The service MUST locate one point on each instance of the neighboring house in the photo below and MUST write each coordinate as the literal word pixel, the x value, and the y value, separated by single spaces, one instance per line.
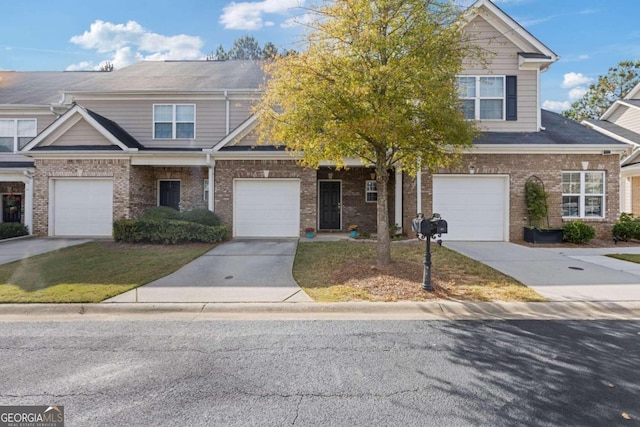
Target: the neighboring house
pixel 622 122
pixel 182 134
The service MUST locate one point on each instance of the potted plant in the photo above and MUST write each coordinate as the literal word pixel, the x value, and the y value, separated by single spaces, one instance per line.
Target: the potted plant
pixel 309 231
pixel 537 210
pixel 353 231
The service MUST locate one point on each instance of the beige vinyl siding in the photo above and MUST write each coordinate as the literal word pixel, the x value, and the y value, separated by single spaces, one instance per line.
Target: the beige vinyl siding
pixel 136 117
pixel 249 140
pixel 504 62
pixel 82 133
pixel 628 118
pixel 239 112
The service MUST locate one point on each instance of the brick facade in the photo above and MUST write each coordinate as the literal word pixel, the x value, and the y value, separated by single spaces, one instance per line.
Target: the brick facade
pixel 548 167
pixel 228 170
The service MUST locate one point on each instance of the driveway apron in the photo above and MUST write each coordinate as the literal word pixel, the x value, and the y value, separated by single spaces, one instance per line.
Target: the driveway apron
pixel 561 274
pixel 237 271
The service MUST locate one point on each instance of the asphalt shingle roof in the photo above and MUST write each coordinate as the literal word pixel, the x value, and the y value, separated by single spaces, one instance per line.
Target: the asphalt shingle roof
pixel 39 87
pixel 115 130
pixel 618 130
pixel 558 131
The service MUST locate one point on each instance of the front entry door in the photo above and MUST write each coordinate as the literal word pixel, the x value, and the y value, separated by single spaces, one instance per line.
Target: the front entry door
pixel 170 194
pixel 330 202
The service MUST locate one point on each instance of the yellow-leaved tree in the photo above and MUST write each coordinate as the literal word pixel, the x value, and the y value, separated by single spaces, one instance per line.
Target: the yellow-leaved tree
pixel 375 80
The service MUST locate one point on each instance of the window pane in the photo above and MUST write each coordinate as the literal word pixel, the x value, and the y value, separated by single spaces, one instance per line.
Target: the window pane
pixel 23 141
pixel 6 128
pixel 163 113
pixel 163 130
pixel 6 144
pixel 372 197
pixel 571 182
pixel 185 113
pixel 492 87
pixel 371 186
pixel 491 109
pixel 593 182
pixel 466 87
pixel 593 206
pixel 184 130
pixel 469 109
pixel 27 128
pixel 570 205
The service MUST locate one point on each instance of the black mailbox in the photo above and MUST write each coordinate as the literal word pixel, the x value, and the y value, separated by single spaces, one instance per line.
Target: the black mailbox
pixel 429 227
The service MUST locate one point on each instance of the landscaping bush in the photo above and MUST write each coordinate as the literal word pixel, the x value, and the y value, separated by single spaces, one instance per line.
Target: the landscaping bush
pixel 166 232
pixel 578 232
pixel 12 229
pixel 628 227
pixel 160 213
pixel 201 216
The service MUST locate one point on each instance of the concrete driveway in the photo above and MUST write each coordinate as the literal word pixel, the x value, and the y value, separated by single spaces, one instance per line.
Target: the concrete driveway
pixel 237 271
pixel 561 274
pixel 17 249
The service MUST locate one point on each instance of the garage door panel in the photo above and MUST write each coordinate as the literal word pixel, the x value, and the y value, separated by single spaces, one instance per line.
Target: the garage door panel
pixel 266 208
pixel 82 207
pixel 475 207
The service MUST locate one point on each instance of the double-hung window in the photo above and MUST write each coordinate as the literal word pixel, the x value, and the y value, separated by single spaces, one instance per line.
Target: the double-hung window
pixel 482 97
pixel 16 133
pixel 371 191
pixel 174 121
pixel 583 194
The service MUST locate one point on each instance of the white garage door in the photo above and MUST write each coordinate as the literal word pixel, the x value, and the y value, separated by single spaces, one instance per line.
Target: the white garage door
pixel 82 207
pixel 475 207
pixel 266 208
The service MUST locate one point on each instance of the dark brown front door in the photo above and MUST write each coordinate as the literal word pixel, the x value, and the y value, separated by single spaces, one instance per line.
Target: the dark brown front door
pixel 170 194
pixel 330 205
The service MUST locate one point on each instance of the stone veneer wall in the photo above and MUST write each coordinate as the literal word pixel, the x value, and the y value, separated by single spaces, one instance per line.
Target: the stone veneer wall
pixel 227 170
pixel 116 169
pixel 547 167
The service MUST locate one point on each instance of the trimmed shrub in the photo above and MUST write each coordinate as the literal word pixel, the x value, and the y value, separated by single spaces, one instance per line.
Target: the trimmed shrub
pixel 160 213
pixel 12 229
pixel 201 216
pixel 628 227
pixel 578 232
pixel 166 232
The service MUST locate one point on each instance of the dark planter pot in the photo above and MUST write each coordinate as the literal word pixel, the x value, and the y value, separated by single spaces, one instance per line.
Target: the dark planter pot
pixel 549 235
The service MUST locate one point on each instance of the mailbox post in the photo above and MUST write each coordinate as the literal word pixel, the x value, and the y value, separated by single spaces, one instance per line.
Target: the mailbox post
pixel 426 229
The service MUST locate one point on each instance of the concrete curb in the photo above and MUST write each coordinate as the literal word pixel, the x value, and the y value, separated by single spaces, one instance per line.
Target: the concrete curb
pixel 433 310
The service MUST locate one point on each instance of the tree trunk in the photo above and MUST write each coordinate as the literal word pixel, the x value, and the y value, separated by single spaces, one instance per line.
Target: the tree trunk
pixel 384 244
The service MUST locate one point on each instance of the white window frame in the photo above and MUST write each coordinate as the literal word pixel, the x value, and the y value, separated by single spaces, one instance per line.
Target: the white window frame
pixel 15 135
pixel 477 98
pixel 174 121
pixel 582 195
pixel 367 191
pixel 205 189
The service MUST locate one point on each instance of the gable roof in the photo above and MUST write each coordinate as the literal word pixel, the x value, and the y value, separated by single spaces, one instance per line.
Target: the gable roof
pixel 614 131
pixel 540 56
pixel 177 76
pixel 118 137
pixel 558 131
pixel 39 87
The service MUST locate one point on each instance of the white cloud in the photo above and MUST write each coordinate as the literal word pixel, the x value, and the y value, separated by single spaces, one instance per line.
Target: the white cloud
pixel 297 20
pixel 556 105
pixel 81 66
pixel 130 42
pixel 575 79
pixel 249 15
pixel 577 92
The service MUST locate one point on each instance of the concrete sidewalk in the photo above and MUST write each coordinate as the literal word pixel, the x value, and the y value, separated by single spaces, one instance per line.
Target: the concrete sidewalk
pixel 561 274
pixel 237 271
pixel 16 249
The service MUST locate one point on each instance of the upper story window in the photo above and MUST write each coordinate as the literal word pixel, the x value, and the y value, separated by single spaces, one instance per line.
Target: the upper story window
pixel 482 97
pixel 174 121
pixel 583 194
pixel 16 133
pixel 489 97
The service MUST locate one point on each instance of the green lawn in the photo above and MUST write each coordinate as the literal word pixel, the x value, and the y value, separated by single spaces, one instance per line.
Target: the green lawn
pixel 346 271
pixel 626 257
pixel 91 272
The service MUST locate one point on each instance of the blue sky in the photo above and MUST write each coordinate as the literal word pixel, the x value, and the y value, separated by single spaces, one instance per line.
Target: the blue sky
pixel 589 35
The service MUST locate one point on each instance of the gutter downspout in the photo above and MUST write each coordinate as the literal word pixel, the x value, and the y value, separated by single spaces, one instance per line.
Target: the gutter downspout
pixel 419 189
pixel 228 118
pixel 398 206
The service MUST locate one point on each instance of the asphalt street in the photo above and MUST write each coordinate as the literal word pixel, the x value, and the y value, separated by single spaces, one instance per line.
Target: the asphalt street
pixel 326 373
